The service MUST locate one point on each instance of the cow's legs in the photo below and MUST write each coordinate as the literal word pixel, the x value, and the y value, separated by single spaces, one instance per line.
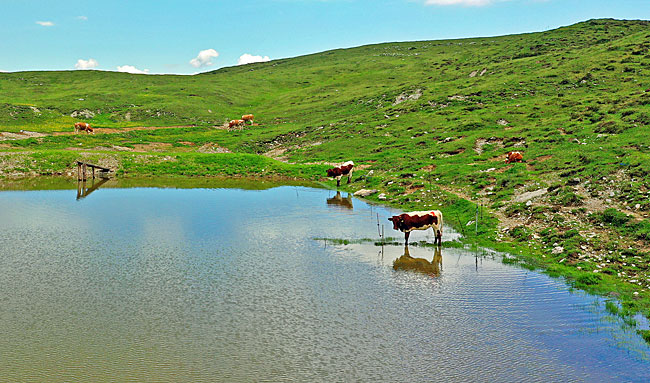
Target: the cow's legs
pixel 406 238
pixel 338 181
pixel 349 176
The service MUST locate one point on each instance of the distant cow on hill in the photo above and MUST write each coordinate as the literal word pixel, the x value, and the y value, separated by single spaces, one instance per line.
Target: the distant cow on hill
pixel 343 170
pixel 514 157
pixel 233 123
pixel 80 126
pixel 248 117
pixel 419 220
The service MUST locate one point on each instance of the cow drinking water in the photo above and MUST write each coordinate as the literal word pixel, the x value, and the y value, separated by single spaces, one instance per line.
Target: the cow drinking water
pixel 343 170
pixel 419 220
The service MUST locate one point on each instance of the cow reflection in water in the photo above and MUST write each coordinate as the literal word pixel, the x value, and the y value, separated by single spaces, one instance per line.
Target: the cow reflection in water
pixel 406 262
pixel 338 200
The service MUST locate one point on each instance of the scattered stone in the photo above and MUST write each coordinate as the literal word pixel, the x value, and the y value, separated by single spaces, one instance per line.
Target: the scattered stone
pixel 557 250
pixel 382 196
pixel 525 197
pixel 82 113
pixel 405 97
pixel 365 192
pixel 503 122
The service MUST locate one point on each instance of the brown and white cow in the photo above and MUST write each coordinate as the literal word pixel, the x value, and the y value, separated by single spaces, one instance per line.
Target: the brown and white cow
pixel 248 117
pixel 235 123
pixel 514 157
pixel 340 171
pixel 79 126
pixel 419 220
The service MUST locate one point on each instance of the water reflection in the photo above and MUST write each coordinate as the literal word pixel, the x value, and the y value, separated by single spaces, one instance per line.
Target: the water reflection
pixel 407 262
pixel 215 284
pixel 84 191
pixel 338 200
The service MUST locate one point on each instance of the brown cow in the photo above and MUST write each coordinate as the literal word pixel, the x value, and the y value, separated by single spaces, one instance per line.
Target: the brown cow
pixel 343 170
pixel 235 123
pixel 419 220
pixel 79 126
pixel 514 157
pixel 248 117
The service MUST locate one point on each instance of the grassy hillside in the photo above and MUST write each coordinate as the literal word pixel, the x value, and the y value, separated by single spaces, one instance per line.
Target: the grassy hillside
pixel 432 120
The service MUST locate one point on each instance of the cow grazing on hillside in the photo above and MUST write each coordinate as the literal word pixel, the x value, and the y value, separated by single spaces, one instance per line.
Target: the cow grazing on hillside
pixel 80 126
pixel 234 123
pixel 340 171
pixel 248 117
pixel 514 157
pixel 419 220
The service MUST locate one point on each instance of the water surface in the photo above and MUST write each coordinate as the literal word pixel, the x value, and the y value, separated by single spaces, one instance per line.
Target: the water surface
pixel 229 285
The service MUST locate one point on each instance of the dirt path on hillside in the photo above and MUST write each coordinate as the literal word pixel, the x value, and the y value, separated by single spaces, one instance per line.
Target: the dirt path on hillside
pixel 122 130
pixel 25 134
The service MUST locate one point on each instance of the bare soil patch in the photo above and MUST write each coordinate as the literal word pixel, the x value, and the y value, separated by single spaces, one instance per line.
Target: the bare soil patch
pixel 122 130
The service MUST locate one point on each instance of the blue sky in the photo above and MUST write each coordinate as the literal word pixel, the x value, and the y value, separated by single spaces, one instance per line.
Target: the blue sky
pixel 193 36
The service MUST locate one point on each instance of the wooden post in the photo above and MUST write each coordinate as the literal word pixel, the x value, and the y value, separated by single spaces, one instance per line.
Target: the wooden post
pixel 93 168
pixel 84 171
pixel 78 171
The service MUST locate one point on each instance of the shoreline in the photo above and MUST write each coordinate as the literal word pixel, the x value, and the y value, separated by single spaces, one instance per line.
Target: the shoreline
pixel 633 299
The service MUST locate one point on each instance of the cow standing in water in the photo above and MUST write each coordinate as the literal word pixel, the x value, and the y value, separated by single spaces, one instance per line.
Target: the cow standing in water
pixel 514 157
pixel 419 220
pixel 343 170
pixel 80 126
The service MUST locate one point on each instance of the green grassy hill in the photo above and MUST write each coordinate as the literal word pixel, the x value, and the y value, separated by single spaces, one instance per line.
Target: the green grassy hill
pixel 432 120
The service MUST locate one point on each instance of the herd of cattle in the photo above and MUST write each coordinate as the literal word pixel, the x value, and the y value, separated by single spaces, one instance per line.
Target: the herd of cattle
pixel 415 220
pixel 407 222
pixel 241 122
pixel 85 127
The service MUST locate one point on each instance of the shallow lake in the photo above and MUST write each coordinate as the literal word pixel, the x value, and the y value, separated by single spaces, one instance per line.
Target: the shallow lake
pixel 227 284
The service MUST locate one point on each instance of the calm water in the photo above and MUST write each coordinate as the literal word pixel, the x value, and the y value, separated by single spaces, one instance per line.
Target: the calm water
pixel 229 285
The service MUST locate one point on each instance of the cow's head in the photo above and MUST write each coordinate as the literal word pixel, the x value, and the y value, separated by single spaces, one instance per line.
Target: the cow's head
pixel 397 221
pixel 334 172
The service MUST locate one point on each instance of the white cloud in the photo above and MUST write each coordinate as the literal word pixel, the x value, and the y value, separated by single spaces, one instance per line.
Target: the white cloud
pixel 467 3
pixel 86 64
pixel 204 58
pixel 45 23
pixel 84 18
pixel 248 58
pixel 131 69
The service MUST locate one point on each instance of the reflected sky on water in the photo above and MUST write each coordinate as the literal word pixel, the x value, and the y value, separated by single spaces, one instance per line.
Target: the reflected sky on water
pixel 229 285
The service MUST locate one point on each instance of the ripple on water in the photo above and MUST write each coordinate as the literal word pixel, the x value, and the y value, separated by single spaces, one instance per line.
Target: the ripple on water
pixel 174 285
